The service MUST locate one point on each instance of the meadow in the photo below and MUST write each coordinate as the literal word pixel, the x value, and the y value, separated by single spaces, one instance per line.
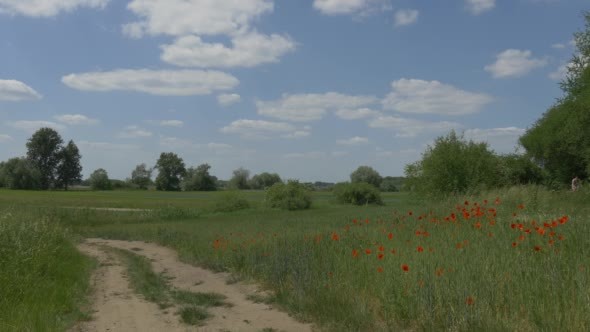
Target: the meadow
pixel 510 259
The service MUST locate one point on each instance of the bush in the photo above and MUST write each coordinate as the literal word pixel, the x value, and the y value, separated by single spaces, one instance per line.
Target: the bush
pixel 290 196
pixel 360 193
pixel 230 202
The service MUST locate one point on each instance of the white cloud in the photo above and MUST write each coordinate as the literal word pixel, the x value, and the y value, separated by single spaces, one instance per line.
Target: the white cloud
pixel 305 155
pixel 355 114
pixel 5 138
pixel 175 142
pixel 229 99
pixel 310 107
pixel 260 129
pixel 134 132
pixel 433 97
pixel 11 90
pixel 353 141
pixel 198 17
pixel 32 126
pixel 345 7
pixel 558 46
pixel 46 8
pixel 171 123
pixel 218 146
pixel 404 127
pixel 298 134
pixel 514 63
pixel 502 140
pixel 106 146
pixel 477 7
pixel 248 50
pixel 156 82
pixel 75 119
pixel 560 73
pixel 405 17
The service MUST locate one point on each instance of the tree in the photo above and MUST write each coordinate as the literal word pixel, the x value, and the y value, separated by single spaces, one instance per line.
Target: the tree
pixel 390 184
pixel 240 179
pixel 19 173
pixel 199 179
pixel 366 174
pixel 573 82
pixel 141 176
pixel 264 180
pixel 288 196
pixel 170 171
pixel 43 150
pixel 69 170
pixel 99 180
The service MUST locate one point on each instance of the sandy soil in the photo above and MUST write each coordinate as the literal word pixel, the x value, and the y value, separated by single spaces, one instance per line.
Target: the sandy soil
pixel 117 308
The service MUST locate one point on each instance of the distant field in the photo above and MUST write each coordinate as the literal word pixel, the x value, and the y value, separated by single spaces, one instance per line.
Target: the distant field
pixel 514 259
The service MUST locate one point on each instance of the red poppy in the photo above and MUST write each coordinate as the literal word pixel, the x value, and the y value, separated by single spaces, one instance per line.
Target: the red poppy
pixel 405 268
pixel 420 249
pixel 368 251
pixel 538 248
pixel 410 213
pixel 380 269
pixel 390 236
pixel 335 237
pixel 469 300
pixel 355 253
pixel 521 206
pixel 380 256
pixel 514 244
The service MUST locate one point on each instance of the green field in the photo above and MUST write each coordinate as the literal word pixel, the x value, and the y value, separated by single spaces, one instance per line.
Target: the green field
pixel 506 260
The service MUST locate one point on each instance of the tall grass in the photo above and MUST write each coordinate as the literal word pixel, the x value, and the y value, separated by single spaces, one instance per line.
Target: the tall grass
pixel 43 278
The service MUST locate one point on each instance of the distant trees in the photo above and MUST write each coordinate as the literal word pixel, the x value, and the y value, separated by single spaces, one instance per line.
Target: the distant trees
pixel 391 184
pixel 264 180
pixel 43 150
pixel 69 170
pixel 199 179
pixel 19 173
pixel 170 171
pixel 141 176
pixel 99 180
pixel 240 179
pixel 366 174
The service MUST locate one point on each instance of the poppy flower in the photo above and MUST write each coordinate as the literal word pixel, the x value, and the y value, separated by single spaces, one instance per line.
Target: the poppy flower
pixel 380 269
pixel 420 249
pixel 355 253
pixel 380 256
pixel 335 237
pixel 538 248
pixel 368 251
pixel 469 300
pixel 390 236
pixel 405 268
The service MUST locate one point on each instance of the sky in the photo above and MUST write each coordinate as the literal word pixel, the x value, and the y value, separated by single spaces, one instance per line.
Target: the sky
pixel 309 89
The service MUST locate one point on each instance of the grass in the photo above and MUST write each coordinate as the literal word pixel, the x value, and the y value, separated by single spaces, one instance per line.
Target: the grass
pixel 468 276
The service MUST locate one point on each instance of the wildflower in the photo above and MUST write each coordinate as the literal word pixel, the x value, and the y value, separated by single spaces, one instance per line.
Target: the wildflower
pixel 380 269
pixel 469 300
pixel 410 213
pixel 563 219
pixel 355 253
pixel 521 206
pixel 439 272
pixel 335 237
pixel 381 248
pixel 466 202
pixel 538 248
pixel 420 249
pixel 390 236
pixel 561 237
pixel 368 251
pixel 405 268
pixel 380 256
pixel 477 225
pixel 541 231
pixel 514 244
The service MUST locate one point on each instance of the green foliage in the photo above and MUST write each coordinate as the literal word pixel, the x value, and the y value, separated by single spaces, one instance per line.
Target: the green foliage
pixel 290 196
pixel 19 173
pixel 391 183
pixel 43 150
pixel 264 180
pixel 99 180
pixel 518 169
pixel 141 176
pixel 199 179
pixel 231 201
pixel 366 174
pixel 574 83
pixel 453 165
pixel 360 193
pixel 240 179
pixel 170 170
pixel 69 170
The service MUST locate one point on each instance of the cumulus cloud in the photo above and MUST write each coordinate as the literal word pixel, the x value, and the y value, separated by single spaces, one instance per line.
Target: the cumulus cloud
pixel 502 140
pixel 46 8
pixel 194 17
pixel 433 97
pixel 514 63
pixel 405 17
pixel 5 138
pixel 11 90
pixel 105 146
pixel 353 141
pixel 310 107
pixel 345 7
pixel 32 126
pixel 156 82
pixel 134 132
pixel 248 50
pixel 355 114
pixel 260 129
pixel 171 123
pixel 305 155
pixel 75 119
pixel 404 127
pixel 560 73
pixel 228 99
pixel 477 7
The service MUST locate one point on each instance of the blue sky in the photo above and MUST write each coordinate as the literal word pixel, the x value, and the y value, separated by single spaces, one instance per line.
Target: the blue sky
pixel 310 89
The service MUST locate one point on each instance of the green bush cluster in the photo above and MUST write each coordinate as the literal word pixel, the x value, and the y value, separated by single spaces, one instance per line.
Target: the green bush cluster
pixel 230 202
pixel 290 196
pixel 359 193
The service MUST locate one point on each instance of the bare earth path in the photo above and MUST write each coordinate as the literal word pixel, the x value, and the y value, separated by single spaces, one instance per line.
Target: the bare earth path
pixel 117 308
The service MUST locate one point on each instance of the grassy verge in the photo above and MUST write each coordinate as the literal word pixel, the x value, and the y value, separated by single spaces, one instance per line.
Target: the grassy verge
pixel 43 278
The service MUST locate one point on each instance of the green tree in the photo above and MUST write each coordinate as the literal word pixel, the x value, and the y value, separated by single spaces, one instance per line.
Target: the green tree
pixel 390 184
pixel 69 170
pixel 573 82
pixel 264 180
pixel 43 150
pixel 99 180
pixel 288 196
pixel 170 172
pixel 366 174
pixel 453 165
pixel 240 179
pixel 19 173
pixel 141 176
pixel 199 179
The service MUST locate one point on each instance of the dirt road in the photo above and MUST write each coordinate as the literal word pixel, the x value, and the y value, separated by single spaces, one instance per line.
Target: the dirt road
pixel 117 308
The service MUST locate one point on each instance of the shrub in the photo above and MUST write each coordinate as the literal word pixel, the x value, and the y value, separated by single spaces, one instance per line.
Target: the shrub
pixel 357 193
pixel 290 196
pixel 230 202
